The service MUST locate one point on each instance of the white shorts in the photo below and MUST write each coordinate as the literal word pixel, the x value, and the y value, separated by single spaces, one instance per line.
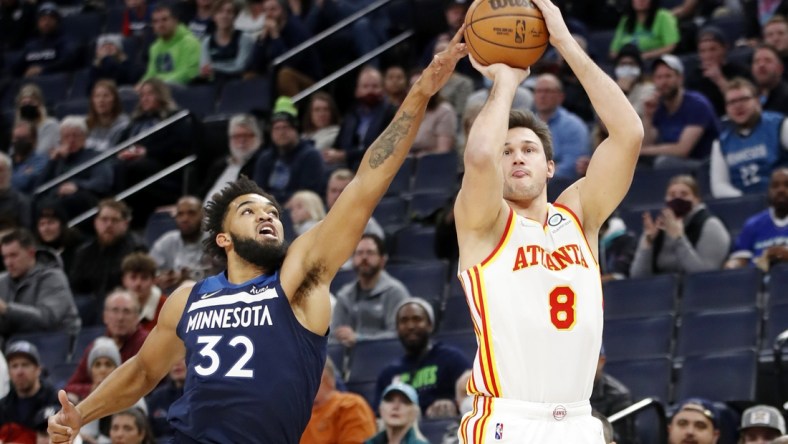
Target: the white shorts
pixel 500 420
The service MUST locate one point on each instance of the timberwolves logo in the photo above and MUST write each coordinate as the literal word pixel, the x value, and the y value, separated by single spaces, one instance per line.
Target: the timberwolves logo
pixel 519 32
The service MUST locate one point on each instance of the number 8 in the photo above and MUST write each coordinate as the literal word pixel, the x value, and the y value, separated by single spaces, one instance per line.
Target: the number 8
pixel 562 308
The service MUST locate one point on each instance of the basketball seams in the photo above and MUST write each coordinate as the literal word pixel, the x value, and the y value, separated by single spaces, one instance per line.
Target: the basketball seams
pixel 480 12
pixel 501 45
pixel 477 55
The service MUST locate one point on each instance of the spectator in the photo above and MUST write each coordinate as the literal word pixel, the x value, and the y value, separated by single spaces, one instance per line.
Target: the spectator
pixel 131 427
pixel 523 98
pixel 14 206
pixel 292 164
pixel 616 249
pixel 775 34
pixel 306 210
pixel 684 238
pixel 337 182
pixel 399 412
pixel 121 317
pixel 30 106
pixel 751 144
pixel 34 297
pixel 138 274
pixel 781 440
pixel 96 267
pixel 106 119
pixel 432 369
pixel 464 403
pixel 757 14
pixel 454 12
pixel 338 417
pixel 768 71
pixel 160 400
pixel 111 63
pixel 226 50
pixel 569 132
pixel 17 24
pixel 716 70
pixel 178 254
pixel 680 125
pixel 29 394
pixel 763 240
pixel 321 122
pixel 81 192
pixel 610 396
pixel 245 141
pixel 137 18
pixel 365 121
pixel 629 75
pixel 251 19
pixel 653 29
pixel 365 307
pixel 395 84
pixel 27 164
pixel 4 377
pixel 200 19
pixel 760 424
pixel 437 134
pixel 51 51
pixel 282 32
pixel 460 86
pixel 174 56
pixel 695 420
pixel 53 232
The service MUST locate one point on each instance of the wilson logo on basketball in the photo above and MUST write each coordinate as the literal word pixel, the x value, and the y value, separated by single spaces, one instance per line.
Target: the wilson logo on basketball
pixel 497 4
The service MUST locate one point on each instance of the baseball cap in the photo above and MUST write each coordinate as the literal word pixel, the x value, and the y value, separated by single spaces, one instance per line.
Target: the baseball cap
pixel 285 110
pixel 711 32
pixel 420 302
pixel 670 61
pixel 700 405
pixel 405 389
pixel 23 348
pixel 50 9
pixel 630 50
pixel 112 39
pixel 764 416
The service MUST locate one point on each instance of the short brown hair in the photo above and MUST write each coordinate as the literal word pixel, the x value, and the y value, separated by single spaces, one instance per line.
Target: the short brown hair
pixel 140 263
pixel 739 83
pixel 117 205
pixel 219 4
pixel 527 119
pixel 687 180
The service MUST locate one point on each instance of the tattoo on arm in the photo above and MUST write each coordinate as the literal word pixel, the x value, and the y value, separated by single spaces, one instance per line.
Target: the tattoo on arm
pixel 384 147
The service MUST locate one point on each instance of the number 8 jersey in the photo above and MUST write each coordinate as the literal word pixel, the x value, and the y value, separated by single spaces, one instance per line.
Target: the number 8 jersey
pixel 536 305
pixel 252 369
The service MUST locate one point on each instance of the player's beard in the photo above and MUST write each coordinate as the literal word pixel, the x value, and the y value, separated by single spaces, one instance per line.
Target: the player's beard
pixel 266 255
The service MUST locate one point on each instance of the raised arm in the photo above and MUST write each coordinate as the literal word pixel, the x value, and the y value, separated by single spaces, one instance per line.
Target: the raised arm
pixel 613 163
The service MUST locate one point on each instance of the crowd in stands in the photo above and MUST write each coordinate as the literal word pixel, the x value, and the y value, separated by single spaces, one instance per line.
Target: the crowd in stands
pixel 80 78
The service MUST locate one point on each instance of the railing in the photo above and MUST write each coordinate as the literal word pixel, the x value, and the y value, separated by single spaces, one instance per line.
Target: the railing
pixel 779 343
pixel 137 187
pixel 109 153
pixel 640 406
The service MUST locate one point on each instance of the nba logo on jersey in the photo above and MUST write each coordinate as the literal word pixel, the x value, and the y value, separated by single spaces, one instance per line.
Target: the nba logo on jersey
pixel 499 430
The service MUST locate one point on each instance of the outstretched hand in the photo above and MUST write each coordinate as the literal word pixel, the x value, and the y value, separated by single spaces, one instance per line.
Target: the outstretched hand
pixel 435 76
pixel 500 70
pixel 64 425
pixel 556 25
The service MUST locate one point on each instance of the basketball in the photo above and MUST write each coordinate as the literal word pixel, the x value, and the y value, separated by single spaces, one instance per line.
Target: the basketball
pixel 505 31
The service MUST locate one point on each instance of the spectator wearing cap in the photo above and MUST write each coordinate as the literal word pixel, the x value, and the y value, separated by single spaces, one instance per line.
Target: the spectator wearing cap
pixel 757 14
pixel 110 62
pixel 14 206
pixel 245 139
pixel 654 30
pixel 19 410
pixel 768 72
pixel 52 232
pixel 28 164
pixel 694 420
pixel 293 163
pixel 399 412
pixel 34 297
pixel 432 368
pixel 17 24
pixel 711 77
pixel 174 57
pixel 680 125
pixel 366 306
pixel 761 424
pixel 609 396
pixel 51 51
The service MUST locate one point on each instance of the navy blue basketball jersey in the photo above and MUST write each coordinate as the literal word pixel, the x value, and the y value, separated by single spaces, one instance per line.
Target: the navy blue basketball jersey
pixel 252 369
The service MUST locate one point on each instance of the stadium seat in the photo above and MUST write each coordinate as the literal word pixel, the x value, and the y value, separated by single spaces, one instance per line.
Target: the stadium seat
pixel 72 107
pixel 599 44
pixel 415 242
pixel 456 316
pixel 703 333
pixel 159 222
pixel 246 96
pixel 369 358
pixel 455 288
pixel 778 282
pixel 435 429
pixel 61 373
pixel 436 172
pixel 52 346
pixel 401 182
pixel 114 22
pixel 556 186
pixel 638 297
pixel 342 277
pixel 647 424
pixel 649 185
pixel 720 290
pixel 424 204
pixel 725 377
pixel 86 337
pixel 366 389
pixel 79 84
pixel 84 27
pixel 776 323
pixel 426 280
pixel 337 353
pixel 200 100
pixel 391 213
pixel 464 340
pixel 627 339
pixel 54 86
pixel 648 377
pixel 734 212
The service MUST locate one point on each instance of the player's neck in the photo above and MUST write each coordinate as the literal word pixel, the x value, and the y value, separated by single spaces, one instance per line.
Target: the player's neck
pixel 535 209
pixel 240 271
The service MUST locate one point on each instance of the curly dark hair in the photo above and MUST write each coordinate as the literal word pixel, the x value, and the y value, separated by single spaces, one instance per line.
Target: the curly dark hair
pixel 216 210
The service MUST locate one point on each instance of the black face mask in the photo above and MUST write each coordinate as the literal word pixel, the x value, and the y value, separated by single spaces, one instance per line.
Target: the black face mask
pixel 22 148
pixel 29 112
pixel 680 207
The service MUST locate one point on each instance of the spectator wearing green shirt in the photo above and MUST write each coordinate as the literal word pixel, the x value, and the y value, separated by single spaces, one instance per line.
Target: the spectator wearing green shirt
pixel 175 55
pixel 654 30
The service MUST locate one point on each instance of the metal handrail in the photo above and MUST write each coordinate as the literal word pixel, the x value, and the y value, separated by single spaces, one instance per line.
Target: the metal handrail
pixel 135 188
pixel 110 152
pixel 638 407
pixel 353 65
pixel 329 31
pixel 777 350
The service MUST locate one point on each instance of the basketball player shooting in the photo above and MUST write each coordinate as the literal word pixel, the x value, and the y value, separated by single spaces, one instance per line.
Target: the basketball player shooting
pixel 254 337
pixel 529 267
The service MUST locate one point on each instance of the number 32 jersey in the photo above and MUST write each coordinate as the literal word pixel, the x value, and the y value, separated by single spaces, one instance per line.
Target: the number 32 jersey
pixel 252 369
pixel 536 305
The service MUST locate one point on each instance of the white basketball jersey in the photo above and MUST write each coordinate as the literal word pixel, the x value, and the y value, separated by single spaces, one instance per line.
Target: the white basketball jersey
pixel 536 305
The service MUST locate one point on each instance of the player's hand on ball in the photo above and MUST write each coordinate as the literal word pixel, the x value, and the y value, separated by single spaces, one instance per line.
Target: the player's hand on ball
pixel 435 76
pixel 500 70
pixel 555 23
pixel 64 425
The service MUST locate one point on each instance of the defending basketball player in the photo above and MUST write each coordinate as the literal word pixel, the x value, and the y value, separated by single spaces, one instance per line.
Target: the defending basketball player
pixel 529 268
pixel 254 337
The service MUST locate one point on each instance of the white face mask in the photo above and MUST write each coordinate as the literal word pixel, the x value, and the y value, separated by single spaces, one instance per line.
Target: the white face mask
pixel 466 405
pixel 627 71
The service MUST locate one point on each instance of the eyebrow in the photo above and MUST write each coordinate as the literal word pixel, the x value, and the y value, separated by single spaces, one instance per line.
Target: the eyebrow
pixel 527 142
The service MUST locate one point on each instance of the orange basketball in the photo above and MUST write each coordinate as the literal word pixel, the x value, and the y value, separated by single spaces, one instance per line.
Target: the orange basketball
pixel 505 31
